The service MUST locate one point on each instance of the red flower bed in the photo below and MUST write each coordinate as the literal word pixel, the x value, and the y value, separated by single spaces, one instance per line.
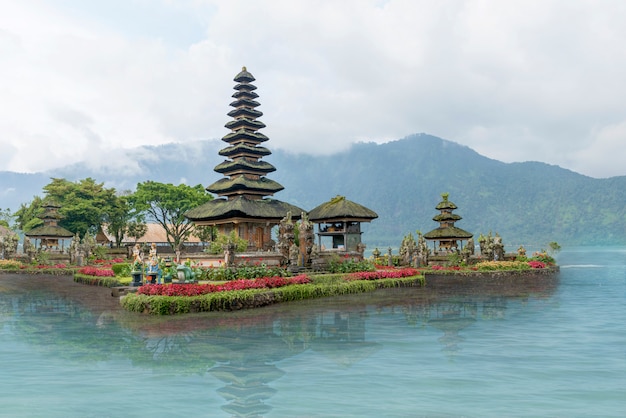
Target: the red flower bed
pixel 383 274
pixel 537 264
pixel 95 271
pixel 202 289
pixel 450 268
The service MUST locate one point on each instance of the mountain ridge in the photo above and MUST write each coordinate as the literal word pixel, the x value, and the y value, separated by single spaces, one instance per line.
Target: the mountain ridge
pixel 528 203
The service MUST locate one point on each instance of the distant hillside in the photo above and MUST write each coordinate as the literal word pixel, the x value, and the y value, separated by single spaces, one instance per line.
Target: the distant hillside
pixel 530 203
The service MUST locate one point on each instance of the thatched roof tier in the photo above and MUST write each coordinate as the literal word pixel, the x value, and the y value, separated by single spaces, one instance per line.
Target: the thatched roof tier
pixel 451 232
pixel 446 216
pixel 341 209
pixel 245 112
pixel 244 150
pixel 49 232
pixel 242 208
pixel 242 184
pixel 244 135
pixel 245 123
pixel 241 165
pixel 241 102
pixel 445 203
pixel 244 76
pixel 245 87
pixel 245 94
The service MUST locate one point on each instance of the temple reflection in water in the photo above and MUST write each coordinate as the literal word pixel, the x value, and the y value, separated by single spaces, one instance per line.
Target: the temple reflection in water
pixel 243 350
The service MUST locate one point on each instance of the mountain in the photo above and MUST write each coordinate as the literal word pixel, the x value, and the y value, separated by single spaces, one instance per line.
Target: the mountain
pixel 527 203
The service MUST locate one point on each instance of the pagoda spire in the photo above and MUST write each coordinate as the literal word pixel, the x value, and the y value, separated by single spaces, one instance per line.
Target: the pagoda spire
pixel 244 172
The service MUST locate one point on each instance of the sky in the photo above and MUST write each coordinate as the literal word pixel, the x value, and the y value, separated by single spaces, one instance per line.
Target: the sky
pixel 513 80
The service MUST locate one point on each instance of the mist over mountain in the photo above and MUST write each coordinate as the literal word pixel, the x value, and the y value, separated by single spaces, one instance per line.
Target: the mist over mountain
pixel 527 203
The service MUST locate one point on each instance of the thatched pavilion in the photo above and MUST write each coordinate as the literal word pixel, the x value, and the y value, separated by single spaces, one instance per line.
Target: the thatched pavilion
pixel 244 206
pixel 48 235
pixel 339 221
pixel 447 235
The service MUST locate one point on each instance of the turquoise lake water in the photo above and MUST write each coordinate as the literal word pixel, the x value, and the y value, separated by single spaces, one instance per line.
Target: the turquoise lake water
pixel 553 349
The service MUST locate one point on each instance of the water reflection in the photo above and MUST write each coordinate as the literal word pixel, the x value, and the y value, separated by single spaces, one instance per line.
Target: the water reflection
pixel 243 350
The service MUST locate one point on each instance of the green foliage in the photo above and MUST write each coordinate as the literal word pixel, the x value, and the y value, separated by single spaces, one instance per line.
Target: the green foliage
pixel 99 252
pixel 42 258
pixel 217 245
pixel 6 218
pixel 542 256
pixel 241 299
pixel 454 259
pixel 85 204
pixel 347 265
pixel 28 216
pixel 118 217
pixel 554 248
pixel 121 269
pixel 167 204
pixel 136 229
pixel 10 265
pixel 501 266
pixel 96 280
pixel 205 233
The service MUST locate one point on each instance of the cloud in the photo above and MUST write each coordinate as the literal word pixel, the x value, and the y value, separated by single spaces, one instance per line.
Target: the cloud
pixel 515 81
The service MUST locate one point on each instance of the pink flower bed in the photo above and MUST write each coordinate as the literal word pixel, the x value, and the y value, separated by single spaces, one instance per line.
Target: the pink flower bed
pixel 95 271
pixel 383 274
pixel 202 289
pixel 537 264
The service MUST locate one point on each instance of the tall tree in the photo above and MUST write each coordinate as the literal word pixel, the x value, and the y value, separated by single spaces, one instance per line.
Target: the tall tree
pixel 118 218
pixel 85 204
pixel 28 216
pixel 6 217
pixel 166 205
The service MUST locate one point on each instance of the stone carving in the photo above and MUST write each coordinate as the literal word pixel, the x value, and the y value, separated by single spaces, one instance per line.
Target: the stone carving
pixel 408 249
pixel 498 248
pixel 286 236
pixel 8 246
pixel 306 238
pixel 470 246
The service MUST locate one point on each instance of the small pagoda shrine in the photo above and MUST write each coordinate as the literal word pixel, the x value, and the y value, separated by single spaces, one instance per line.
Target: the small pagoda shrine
pixel 50 233
pixel 243 205
pixel 339 221
pixel 447 236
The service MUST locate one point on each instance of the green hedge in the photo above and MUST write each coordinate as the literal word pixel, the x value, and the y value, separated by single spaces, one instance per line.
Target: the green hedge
pixel 253 298
pixel 103 281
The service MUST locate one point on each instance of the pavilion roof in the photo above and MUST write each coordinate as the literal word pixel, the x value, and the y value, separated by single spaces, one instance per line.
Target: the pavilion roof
pixel 340 208
pixel 242 207
pixel 241 183
pixel 449 232
pixel 49 231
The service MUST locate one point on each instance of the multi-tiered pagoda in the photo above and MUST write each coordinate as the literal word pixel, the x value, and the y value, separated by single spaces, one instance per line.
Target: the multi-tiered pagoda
pixel 447 235
pixel 243 205
pixel 50 232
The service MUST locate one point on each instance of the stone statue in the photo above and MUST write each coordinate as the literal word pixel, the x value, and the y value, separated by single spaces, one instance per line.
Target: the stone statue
pixel 470 246
pixel 498 248
pixel 286 236
pixel 408 248
pixel 294 252
pixel 521 251
pixel 360 248
pixel 29 249
pixel 9 245
pixel 305 237
pixel 422 251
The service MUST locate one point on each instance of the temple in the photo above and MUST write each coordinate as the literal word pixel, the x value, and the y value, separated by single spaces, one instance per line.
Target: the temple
pixel 447 236
pixel 339 222
pixel 243 205
pixel 49 234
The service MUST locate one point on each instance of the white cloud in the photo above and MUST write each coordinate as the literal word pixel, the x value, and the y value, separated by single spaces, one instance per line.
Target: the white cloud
pixel 516 81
